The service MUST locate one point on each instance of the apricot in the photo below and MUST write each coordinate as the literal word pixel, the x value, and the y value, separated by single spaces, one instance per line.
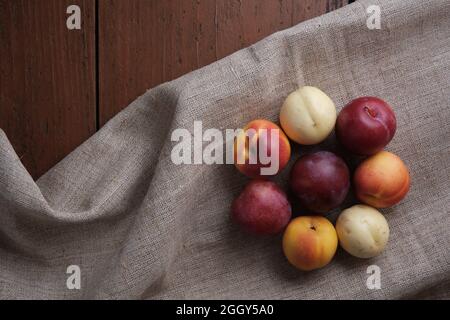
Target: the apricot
pixel 310 242
pixel 381 180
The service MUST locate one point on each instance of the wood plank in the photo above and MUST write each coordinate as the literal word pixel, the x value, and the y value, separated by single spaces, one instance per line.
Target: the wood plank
pixel 130 54
pixel 144 43
pixel 242 23
pixel 47 79
pixel 307 9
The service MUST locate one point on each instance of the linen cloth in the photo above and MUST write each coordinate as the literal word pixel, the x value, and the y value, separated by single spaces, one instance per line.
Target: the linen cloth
pixel 141 227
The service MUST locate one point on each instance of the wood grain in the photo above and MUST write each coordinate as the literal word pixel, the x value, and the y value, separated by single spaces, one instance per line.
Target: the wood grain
pixel 143 43
pixel 47 79
pixel 56 84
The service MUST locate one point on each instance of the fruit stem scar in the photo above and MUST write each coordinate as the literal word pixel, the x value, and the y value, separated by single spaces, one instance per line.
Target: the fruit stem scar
pixel 370 112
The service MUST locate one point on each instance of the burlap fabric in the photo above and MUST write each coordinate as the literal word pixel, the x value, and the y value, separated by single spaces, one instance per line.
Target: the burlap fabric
pixel 139 226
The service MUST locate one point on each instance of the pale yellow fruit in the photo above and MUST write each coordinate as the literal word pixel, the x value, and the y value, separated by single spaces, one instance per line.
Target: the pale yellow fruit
pixel 362 231
pixel 308 115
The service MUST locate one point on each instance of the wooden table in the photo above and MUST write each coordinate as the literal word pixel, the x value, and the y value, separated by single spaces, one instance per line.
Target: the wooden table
pixel 59 86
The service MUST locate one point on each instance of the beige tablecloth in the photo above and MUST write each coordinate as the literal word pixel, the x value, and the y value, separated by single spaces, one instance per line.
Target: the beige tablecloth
pixel 139 226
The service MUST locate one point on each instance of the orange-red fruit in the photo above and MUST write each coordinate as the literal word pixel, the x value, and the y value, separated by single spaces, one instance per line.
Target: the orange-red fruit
pixel 243 149
pixel 382 180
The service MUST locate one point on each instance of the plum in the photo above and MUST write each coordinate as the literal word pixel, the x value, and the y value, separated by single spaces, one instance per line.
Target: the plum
pixel 320 181
pixel 262 208
pixel 366 125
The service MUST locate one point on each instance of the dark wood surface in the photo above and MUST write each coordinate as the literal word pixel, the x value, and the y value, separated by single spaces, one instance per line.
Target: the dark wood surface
pixel 144 43
pixel 47 79
pixel 57 86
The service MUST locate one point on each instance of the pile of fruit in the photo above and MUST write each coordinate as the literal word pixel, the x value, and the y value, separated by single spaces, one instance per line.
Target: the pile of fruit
pixel 321 181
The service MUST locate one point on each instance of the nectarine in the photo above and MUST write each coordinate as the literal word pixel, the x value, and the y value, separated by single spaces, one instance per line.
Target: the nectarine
pixel 262 149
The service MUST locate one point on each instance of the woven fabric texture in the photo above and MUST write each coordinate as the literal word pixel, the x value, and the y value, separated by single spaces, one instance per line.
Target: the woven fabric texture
pixel 141 227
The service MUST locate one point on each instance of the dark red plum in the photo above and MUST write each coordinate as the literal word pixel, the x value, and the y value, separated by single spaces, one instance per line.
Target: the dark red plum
pixel 366 125
pixel 262 208
pixel 320 181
